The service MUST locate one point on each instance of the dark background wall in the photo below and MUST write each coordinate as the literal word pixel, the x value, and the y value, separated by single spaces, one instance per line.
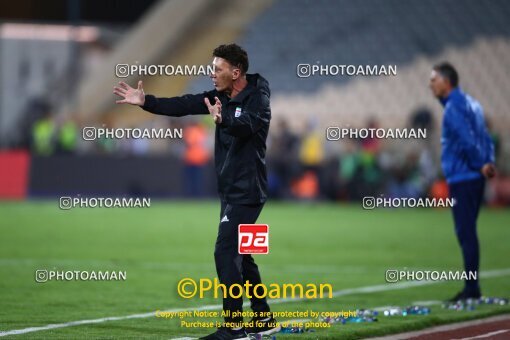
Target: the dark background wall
pixel 115 176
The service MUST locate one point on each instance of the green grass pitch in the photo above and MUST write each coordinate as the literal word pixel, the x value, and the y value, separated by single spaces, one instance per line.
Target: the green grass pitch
pixel 343 245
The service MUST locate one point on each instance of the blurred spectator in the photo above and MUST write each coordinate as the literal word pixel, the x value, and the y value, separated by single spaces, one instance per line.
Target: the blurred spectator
pixel 347 167
pixel 422 119
pixel 371 144
pixel 67 137
pixel 196 157
pixel 283 164
pixel 43 133
pixel 311 153
pixel 306 187
pixel 405 180
pixel 439 189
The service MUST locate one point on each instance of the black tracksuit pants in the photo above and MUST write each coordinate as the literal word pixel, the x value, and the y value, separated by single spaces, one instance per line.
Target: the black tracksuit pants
pixel 232 267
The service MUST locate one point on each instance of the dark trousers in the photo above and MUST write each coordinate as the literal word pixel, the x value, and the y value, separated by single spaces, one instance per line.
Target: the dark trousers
pixel 232 267
pixel 468 198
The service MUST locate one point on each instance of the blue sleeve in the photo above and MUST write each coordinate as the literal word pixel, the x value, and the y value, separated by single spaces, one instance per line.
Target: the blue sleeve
pixel 461 128
pixel 489 144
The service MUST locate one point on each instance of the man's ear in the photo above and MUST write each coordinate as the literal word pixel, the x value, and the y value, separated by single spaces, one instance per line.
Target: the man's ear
pixel 236 73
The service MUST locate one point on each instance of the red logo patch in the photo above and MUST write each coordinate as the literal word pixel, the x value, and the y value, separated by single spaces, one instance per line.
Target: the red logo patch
pixel 253 239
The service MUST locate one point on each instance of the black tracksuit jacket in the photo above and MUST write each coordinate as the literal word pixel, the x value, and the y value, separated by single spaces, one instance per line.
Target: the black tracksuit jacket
pixel 240 140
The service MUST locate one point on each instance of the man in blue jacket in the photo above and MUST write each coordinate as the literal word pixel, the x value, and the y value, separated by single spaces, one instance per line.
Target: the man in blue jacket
pixel 467 159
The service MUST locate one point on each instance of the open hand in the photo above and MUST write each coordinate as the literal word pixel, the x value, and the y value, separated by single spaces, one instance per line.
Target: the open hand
pixel 214 110
pixel 131 95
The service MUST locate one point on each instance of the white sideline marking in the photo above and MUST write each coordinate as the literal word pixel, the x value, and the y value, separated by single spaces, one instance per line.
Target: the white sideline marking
pixel 486 335
pixel 307 268
pixel 343 292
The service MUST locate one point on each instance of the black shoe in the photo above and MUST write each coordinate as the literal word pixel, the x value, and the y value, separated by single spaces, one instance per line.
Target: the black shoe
pixel 257 326
pixel 463 295
pixel 224 333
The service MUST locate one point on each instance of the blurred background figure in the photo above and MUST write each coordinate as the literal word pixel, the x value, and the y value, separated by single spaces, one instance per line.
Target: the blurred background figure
pixel 44 136
pixel 196 158
pixel 283 148
pixel 67 137
pixel 59 60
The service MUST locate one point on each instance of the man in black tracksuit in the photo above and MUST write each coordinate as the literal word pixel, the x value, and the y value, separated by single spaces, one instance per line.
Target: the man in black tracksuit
pixel 242 113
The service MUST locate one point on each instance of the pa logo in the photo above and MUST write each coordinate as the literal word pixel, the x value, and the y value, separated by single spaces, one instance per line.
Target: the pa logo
pixel 253 239
pixel 238 112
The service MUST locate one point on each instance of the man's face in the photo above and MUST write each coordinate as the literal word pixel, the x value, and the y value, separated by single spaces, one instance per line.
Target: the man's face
pixel 439 84
pixel 224 75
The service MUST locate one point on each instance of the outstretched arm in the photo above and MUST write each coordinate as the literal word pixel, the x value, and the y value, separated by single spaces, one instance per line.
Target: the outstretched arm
pixel 190 104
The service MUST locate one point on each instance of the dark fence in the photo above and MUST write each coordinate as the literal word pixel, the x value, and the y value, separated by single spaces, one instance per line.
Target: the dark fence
pixel 117 176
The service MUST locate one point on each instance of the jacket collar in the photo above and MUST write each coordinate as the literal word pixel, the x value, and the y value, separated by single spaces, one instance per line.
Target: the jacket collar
pixel 249 88
pixel 453 93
